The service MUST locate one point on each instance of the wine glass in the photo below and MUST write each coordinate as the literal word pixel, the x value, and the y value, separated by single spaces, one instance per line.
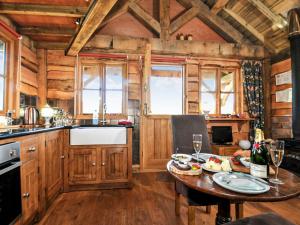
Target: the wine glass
pixel 276 151
pixel 197 144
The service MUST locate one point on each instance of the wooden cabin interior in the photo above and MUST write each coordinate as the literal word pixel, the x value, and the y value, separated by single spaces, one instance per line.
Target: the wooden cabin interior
pixel 95 96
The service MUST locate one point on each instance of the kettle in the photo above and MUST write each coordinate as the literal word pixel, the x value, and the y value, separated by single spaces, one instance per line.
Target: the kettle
pixel 31 115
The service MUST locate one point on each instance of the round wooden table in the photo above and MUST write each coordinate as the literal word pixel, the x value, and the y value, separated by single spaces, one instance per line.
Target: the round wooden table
pixel 204 184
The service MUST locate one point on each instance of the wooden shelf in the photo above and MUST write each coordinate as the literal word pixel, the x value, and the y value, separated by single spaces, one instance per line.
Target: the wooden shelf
pixel 229 119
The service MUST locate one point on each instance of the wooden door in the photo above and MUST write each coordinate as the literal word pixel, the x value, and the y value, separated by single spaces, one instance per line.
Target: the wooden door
pixel 114 164
pixel 83 166
pixel 156 142
pixel 29 187
pixel 53 164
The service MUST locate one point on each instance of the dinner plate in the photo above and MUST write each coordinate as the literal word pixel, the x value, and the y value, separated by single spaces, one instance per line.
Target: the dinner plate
pixel 181 157
pixel 241 183
pixel 203 156
pixel 211 170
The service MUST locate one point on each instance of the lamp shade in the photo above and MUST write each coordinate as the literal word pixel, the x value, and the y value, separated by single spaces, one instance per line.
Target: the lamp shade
pixel 47 111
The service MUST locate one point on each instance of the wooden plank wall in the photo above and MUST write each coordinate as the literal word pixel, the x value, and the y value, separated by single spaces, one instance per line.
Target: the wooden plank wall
pixel 29 68
pixel 60 75
pixel 281 112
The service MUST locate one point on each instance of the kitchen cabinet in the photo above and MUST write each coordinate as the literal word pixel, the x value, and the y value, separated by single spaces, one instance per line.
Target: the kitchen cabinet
pixel 53 164
pixel 83 166
pixel 29 177
pixel 114 164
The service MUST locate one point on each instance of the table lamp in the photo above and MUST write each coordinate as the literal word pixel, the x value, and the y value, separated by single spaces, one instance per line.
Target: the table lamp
pixel 47 112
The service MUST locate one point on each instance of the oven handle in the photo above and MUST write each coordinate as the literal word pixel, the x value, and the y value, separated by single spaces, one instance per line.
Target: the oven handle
pixel 14 166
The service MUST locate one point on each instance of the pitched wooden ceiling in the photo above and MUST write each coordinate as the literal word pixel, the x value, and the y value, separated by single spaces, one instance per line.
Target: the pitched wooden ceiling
pixel 260 22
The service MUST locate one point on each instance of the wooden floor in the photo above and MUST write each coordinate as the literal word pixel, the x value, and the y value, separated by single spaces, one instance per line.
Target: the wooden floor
pixel 150 202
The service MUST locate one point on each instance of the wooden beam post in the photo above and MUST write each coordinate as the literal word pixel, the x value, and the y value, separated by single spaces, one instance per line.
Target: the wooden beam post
pixel 218 6
pixel 42 10
pixel 94 17
pixel 228 32
pixel 139 13
pixel 65 32
pixel 164 12
pixel 267 97
pixel 183 19
pixel 42 77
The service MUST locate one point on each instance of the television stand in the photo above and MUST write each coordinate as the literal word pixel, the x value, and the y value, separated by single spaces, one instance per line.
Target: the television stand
pixel 226 150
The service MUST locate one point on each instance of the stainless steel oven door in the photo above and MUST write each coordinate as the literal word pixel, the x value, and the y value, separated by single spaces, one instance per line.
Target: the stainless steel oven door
pixel 10 192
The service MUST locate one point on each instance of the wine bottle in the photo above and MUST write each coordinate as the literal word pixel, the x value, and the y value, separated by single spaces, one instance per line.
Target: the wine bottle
pixel 259 159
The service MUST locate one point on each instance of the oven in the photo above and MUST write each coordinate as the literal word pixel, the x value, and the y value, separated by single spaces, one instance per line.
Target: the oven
pixel 10 186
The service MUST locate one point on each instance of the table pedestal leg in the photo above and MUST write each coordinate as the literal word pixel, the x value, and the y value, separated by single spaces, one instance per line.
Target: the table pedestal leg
pixel 223 215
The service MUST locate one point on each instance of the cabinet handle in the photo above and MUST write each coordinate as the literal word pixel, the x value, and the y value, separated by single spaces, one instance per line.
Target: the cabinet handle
pixel 26 195
pixel 62 157
pixel 31 149
pixel 103 164
pixel 93 164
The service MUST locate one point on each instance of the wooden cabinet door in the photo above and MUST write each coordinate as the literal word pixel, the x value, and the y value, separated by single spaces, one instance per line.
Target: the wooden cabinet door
pixel 29 187
pixel 53 164
pixel 83 166
pixel 114 164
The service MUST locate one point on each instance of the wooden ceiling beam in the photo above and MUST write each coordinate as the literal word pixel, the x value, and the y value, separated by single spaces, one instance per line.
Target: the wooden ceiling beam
pixel 42 10
pixel 164 15
pixel 45 31
pixel 278 20
pixel 228 32
pixel 218 6
pixel 94 17
pixel 251 29
pixel 183 19
pixel 143 16
pixel 51 45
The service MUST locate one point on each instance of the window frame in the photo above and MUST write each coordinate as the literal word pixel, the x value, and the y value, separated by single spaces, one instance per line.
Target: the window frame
pixel 5 76
pixel 148 95
pixel 236 89
pixel 79 88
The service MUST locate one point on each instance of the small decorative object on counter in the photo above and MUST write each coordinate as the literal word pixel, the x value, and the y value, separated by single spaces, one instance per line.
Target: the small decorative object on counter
pixel 206 114
pixel 180 37
pixel 47 112
pixel 189 37
pixel 259 159
pixel 245 144
pixel 125 122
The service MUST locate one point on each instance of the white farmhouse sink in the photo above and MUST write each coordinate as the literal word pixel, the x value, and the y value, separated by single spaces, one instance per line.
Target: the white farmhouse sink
pixel 98 136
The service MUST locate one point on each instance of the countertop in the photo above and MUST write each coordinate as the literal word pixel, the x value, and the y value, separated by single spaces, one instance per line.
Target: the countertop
pixel 19 132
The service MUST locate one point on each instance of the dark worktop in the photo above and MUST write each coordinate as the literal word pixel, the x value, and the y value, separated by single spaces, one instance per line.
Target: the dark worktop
pixel 19 132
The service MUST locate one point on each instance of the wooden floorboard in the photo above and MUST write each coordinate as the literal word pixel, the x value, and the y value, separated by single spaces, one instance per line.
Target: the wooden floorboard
pixel 150 202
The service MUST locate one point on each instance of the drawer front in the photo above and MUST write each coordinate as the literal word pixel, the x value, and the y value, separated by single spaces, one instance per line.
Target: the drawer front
pixel 29 148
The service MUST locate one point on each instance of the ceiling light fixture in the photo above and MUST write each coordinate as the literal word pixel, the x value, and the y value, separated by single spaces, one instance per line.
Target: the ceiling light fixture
pixel 77 21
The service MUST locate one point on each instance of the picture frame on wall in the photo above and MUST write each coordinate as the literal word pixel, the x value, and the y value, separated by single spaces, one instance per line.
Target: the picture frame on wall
pixel 284 78
pixel 284 95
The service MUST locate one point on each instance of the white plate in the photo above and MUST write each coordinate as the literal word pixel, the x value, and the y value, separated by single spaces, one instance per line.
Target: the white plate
pixel 187 158
pixel 211 170
pixel 244 161
pixel 204 156
pixel 241 183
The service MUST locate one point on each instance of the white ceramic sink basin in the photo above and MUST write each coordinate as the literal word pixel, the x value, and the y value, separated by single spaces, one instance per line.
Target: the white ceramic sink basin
pixel 98 136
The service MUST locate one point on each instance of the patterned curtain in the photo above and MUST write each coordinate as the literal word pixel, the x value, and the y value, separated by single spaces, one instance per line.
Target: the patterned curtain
pixel 253 89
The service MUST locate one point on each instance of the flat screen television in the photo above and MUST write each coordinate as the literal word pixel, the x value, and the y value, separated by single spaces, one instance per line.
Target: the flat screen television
pixel 221 135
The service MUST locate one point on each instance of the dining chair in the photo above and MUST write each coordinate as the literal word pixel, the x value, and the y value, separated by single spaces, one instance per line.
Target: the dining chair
pixel 183 128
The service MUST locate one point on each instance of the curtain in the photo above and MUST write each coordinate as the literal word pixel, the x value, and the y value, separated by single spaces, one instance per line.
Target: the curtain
pixel 253 90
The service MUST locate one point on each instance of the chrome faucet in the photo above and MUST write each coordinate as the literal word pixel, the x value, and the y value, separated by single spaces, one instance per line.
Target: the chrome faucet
pixel 103 122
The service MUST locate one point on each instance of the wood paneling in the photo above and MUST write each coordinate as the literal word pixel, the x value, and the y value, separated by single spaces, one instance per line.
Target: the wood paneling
pixel 281 111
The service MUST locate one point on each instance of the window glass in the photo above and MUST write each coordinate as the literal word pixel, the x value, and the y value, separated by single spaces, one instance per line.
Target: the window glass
pixel 208 102
pixel 227 103
pixel 90 77
pixel 2 74
pixel 166 94
pixel 227 81
pixel 208 80
pixel 90 101
pixel 114 88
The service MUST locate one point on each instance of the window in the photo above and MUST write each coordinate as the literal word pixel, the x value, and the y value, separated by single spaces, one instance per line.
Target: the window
pixel 102 85
pixel 2 74
pixel 166 90
pixel 218 91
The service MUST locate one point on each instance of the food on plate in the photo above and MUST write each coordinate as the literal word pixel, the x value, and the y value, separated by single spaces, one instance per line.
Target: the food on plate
pixel 242 153
pixel 236 160
pixel 218 164
pixel 181 157
pixel 196 166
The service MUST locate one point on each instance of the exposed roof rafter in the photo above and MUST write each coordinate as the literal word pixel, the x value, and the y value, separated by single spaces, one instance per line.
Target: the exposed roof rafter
pixel 45 31
pixel 42 10
pixel 218 6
